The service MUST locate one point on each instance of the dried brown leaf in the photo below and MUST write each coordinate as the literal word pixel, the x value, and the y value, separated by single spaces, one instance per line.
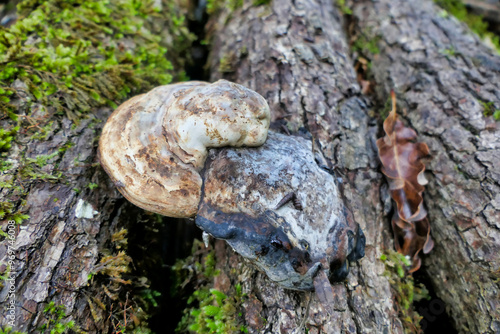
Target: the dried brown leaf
pixel 401 160
pixel 411 238
pixel 400 157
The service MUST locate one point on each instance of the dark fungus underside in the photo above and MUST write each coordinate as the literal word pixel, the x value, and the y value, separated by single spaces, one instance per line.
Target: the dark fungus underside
pixel 290 242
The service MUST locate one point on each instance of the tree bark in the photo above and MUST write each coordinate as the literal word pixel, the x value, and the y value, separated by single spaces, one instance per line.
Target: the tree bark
pixel 71 260
pixel 448 98
pixel 296 55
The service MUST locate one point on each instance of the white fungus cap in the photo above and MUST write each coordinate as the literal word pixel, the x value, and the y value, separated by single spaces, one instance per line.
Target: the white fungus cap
pixel 154 145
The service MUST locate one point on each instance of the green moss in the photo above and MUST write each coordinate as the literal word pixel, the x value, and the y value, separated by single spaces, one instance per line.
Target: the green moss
pixel 72 51
pixel 496 115
pixel 384 112
pixel 343 7
pixel 65 147
pixel 43 159
pixel 6 137
pixel 8 212
pixel 475 22
pixel 449 51
pixel 55 316
pixel 72 56
pixel 5 166
pixel 5 274
pixel 17 182
pixel 213 312
pixel 261 2
pixel 226 63
pixel 32 168
pixel 208 310
pixel 43 132
pixel 9 330
pixel 150 296
pixel 236 4
pixel 209 270
pixel 489 109
pixel 213 6
pixel 180 272
pixel 404 288
pixel 366 44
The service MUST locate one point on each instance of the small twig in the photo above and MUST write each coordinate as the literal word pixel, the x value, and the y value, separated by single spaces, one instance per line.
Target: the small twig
pixel 125 311
pixel 290 197
pixel 285 128
pixel 306 315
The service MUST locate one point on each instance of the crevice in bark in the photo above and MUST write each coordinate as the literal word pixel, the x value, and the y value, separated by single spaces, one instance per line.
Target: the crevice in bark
pixel 177 235
pixel 430 323
pixel 435 319
pixel 196 69
pixel 176 240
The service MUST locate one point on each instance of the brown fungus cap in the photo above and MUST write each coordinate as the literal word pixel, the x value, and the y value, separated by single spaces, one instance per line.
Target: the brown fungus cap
pixel 154 145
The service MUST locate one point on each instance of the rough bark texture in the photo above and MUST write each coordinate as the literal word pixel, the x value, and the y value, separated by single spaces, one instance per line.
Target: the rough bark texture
pixel 448 98
pixel 62 244
pixel 55 250
pixel 296 55
pixel 72 251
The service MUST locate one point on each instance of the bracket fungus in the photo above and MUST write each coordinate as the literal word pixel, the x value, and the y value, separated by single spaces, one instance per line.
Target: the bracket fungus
pixel 272 203
pixel 276 207
pixel 154 145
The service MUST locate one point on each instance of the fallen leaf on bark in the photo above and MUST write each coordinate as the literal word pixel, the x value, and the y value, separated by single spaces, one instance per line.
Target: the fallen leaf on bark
pixel 411 238
pixel 401 156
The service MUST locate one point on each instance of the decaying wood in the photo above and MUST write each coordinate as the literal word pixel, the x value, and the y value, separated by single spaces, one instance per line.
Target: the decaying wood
pixel 241 188
pixel 296 55
pixel 449 85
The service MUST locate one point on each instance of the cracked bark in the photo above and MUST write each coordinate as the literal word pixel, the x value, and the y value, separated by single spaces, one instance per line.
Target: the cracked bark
pixel 60 246
pixel 443 95
pixel 55 250
pixel 296 55
pixel 72 226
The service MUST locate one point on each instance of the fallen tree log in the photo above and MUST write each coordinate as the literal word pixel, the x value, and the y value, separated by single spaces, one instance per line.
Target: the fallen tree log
pixel 65 261
pixel 448 84
pixel 70 263
pixel 296 55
